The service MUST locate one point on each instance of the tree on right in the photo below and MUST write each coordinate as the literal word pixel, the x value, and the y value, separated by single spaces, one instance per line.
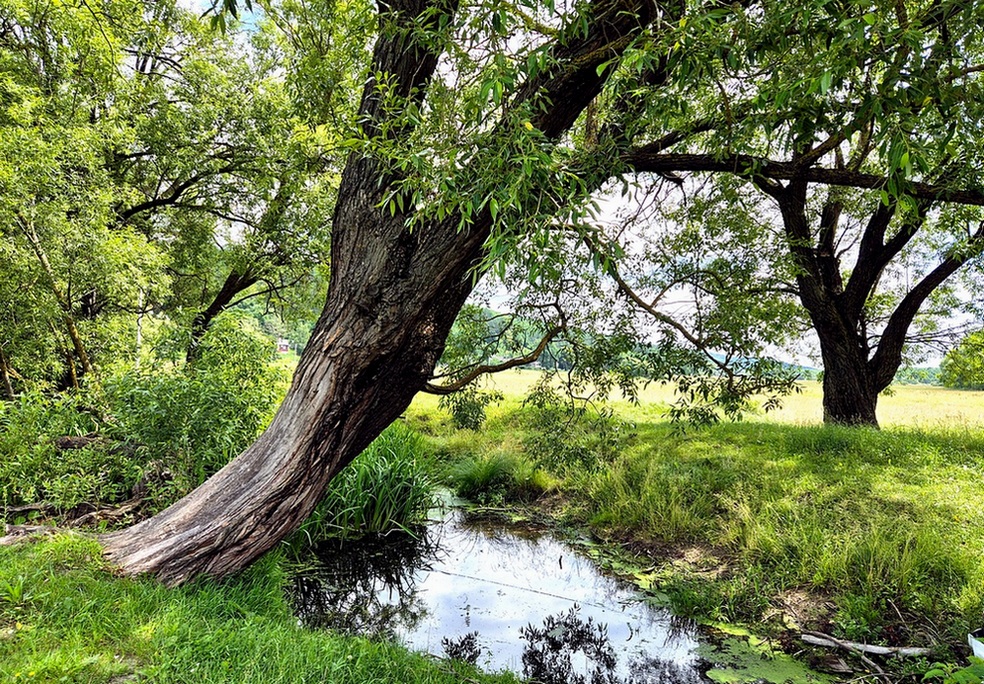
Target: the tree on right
pixel 834 166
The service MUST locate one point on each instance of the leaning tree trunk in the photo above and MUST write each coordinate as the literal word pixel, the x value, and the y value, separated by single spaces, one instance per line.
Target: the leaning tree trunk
pixel 392 300
pixel 393 296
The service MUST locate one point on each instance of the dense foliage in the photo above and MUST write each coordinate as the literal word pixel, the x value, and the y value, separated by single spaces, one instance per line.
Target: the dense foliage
pixel 150 435
pixel 963 366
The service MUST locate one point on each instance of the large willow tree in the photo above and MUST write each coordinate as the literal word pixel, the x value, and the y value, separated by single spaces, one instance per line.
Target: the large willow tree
pixel 476 137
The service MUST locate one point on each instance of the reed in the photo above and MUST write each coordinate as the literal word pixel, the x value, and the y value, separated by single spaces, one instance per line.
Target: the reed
pixel 384 489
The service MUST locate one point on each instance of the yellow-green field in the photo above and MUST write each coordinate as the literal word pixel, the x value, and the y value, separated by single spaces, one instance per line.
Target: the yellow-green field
pixel 917 406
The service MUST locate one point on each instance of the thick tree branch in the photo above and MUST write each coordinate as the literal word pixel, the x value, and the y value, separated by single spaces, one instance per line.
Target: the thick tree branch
pixel 645 160
pixel 236 281
pixel 887 358
pixel 176 191
pixel 827 261
pixel 8 387
pixel 875 254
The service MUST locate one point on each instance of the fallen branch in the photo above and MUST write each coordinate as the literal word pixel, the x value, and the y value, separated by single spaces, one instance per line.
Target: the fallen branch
pixel 113 514
pixel 14 534
pixel 8 512
pixel 869 663
pixel 819 639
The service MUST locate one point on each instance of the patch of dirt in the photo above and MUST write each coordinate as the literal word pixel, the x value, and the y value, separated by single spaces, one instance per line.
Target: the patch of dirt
pixel 701 560
pixel 798 609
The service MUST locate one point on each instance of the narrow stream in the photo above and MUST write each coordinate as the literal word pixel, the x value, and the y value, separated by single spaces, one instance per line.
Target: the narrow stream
pixel 504 599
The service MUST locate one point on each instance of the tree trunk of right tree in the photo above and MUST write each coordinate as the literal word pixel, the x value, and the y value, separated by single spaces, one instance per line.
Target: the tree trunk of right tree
pixel 849 395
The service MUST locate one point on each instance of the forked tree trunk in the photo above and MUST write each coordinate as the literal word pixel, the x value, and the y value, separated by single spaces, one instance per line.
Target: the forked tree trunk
pixel 849 395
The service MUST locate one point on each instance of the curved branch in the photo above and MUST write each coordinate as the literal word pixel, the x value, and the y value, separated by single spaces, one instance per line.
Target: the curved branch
pixel 887 359
pixel 473 374
pixel 637 299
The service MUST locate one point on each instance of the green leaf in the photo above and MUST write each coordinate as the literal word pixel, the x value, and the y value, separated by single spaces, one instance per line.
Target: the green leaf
pixel 825 82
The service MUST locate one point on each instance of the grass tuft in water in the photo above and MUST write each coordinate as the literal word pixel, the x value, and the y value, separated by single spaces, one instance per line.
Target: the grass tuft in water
pixel 499 477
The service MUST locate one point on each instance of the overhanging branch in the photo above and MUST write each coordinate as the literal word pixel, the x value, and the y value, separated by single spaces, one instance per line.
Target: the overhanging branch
pixel 477 371
pixel 645 160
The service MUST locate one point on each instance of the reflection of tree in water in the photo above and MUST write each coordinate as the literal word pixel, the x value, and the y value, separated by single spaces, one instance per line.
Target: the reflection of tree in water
pixel 554 650
pixel 365 586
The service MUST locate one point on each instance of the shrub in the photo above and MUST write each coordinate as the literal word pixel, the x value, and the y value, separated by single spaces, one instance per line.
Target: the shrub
pixel 192 420
pixel 33 470
pixel 467 407
pixel 170 428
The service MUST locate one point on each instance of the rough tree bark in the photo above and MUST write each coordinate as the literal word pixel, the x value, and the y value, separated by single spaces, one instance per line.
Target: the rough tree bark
pixel 392 299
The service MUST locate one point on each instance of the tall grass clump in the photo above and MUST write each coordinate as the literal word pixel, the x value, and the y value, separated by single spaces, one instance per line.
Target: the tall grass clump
pixel 385 488
pixel 499 477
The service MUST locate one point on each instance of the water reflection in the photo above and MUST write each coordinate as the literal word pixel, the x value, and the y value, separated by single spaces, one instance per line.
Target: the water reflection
pixel 503 600
pixel 366 586
pixel 569 650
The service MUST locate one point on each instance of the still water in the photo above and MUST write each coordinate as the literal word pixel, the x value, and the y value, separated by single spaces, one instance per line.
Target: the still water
pixel 505 599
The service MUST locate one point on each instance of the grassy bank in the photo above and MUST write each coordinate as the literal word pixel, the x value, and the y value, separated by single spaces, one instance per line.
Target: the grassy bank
pixel 65 618
pixel 869 535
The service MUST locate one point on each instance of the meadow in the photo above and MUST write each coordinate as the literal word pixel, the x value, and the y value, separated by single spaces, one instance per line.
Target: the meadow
pixel 776 521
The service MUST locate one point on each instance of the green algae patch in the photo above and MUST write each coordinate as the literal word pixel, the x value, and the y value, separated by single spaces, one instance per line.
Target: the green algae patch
pixel 741 659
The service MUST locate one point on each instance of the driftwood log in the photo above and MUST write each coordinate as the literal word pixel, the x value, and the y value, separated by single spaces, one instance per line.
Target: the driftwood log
pixel 818 639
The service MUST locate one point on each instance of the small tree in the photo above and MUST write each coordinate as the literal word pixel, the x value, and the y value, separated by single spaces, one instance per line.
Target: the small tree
pixel 963 366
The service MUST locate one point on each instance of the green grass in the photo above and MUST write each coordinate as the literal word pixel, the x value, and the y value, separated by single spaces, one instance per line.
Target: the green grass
pixel 879 534
pixel 882 532
pixel 383 489
pixel 878 521
pixel 72 621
